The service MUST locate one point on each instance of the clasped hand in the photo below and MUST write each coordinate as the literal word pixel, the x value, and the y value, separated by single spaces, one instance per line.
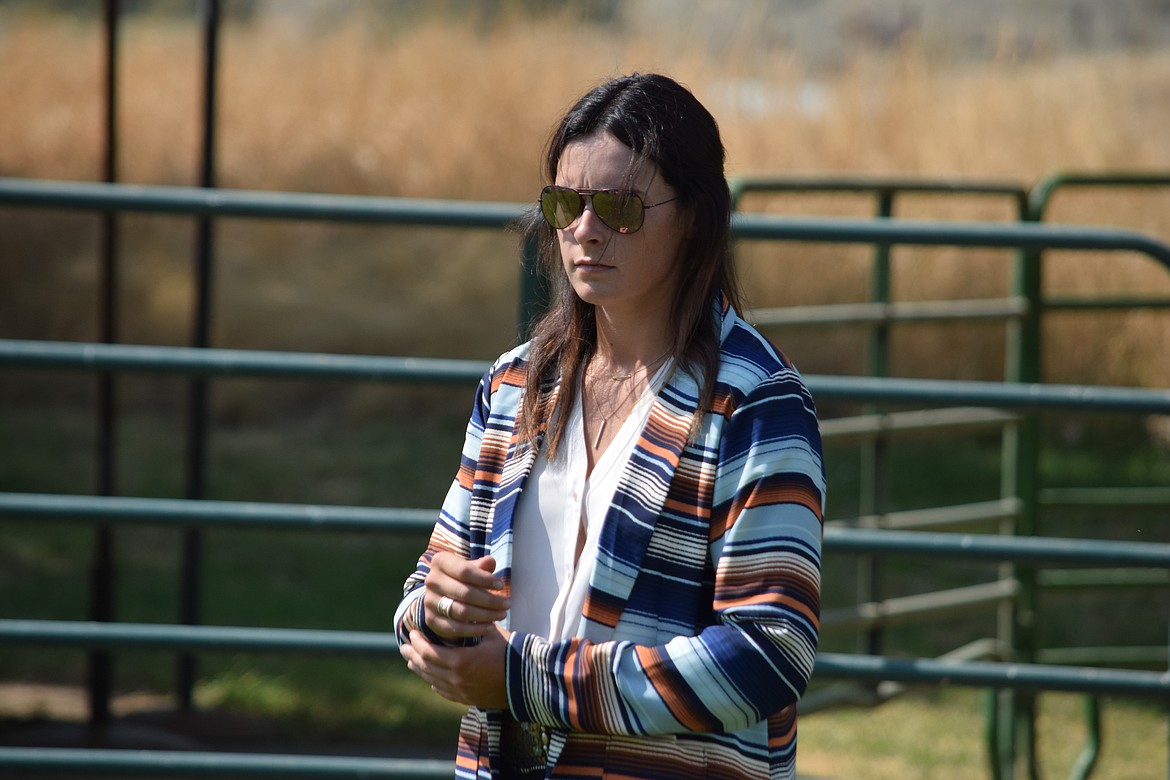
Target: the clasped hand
pixel 472 675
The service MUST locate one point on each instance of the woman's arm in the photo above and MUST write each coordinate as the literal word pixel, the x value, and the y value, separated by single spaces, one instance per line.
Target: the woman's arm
pixel 451 533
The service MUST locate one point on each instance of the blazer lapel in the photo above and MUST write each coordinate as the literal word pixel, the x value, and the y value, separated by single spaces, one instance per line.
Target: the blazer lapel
pixel 638 501
pixel 517 468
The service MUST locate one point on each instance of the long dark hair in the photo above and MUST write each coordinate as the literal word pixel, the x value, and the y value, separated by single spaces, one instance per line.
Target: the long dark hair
pixel 662 121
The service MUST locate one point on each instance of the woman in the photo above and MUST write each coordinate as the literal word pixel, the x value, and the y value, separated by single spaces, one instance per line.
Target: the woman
pixel 625 576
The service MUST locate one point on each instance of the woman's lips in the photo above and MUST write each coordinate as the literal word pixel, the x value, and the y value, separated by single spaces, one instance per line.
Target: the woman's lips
pixel 590 265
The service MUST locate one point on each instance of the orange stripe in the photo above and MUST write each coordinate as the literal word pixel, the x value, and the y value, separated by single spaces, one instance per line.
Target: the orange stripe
pixel 600 612
pixel 782 728
pixel 665 685
pixel 512 375
pixel 766 495
pixel 768 600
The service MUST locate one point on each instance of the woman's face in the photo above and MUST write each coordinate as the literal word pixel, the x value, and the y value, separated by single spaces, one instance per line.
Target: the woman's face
pixel 633 272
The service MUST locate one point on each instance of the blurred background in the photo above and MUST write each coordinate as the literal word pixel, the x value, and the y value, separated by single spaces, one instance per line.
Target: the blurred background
pixel 455 99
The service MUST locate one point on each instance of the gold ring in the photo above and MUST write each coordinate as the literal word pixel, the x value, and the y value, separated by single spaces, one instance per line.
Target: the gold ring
pixel 444 606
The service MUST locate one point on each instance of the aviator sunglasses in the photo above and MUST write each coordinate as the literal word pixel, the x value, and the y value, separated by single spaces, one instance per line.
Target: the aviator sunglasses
pixel 620 210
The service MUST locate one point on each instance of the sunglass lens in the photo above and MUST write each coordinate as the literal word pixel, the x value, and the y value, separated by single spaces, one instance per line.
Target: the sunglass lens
pixel 560 206
pixel 622 211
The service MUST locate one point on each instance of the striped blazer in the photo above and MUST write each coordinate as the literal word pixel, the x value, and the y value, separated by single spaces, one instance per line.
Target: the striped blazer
pixel 701 620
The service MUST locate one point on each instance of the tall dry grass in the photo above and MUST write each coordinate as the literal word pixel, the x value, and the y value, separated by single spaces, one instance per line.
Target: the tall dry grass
pixel 459 108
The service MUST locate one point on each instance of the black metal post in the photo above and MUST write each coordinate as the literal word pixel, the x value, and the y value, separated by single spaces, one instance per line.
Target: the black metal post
pixel 101 608
pixel 199 391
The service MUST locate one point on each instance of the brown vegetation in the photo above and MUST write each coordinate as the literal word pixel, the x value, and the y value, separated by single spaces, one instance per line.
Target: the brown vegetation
pixel 459 108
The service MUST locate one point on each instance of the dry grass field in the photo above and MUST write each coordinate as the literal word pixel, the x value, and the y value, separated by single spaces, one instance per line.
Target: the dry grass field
pixel 459 106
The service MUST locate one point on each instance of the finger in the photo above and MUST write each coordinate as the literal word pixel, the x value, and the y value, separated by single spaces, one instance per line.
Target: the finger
pixel 426 653
pixel 415 664
pixel 478 574
pixel 466 614
pixel 432 667
pixel 487 565
pixel 450 694
pixel 422 659
pixel 457 619
pixel 467 605
pixel 484 617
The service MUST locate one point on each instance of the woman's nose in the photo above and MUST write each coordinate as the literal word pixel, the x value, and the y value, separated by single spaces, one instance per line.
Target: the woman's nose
pixel 589 225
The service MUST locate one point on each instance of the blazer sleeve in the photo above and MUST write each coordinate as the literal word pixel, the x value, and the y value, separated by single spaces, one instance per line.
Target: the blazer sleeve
pixel 757 655
pixel 452 530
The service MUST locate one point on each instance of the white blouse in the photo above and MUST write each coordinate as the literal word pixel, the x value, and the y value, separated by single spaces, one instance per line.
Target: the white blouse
pixel 548 588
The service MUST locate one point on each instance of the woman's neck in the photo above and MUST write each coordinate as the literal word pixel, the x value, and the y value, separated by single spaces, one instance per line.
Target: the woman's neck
pixel 626 346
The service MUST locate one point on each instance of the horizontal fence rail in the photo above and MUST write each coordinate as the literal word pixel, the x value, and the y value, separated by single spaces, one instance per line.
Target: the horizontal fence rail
pixel 851 314
pixel 212 361
pixel 765 183
pixel 112 198
pixel 918 421
pixel 1041 194
pixel 979 513
pixel 836 665
pixel 995 547
pixel 128 510
pixel 209 361
pixel 255 204
pixel 177 763
pixel 964 234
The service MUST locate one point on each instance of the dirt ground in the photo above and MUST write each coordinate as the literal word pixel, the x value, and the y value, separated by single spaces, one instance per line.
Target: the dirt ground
pixel 43 715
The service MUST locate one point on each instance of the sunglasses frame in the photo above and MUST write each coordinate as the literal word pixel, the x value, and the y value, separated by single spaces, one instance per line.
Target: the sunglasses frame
pixel 583 193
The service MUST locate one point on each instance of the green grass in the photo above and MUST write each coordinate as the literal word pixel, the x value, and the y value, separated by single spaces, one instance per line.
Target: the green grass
pixel 383 447
pixel 926 735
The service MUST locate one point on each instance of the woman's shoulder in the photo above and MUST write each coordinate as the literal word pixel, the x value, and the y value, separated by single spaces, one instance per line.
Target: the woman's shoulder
pixel 515 355
pixel 509 368
pixel 748 358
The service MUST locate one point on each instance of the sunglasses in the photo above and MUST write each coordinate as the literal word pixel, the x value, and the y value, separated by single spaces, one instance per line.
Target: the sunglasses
pixel 620 210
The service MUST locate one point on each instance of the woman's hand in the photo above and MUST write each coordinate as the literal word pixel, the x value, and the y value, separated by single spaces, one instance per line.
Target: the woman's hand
pixel 463 597
pixel 472 676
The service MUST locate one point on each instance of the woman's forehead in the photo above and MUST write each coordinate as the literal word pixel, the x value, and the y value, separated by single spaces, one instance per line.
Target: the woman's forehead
pixel 602 161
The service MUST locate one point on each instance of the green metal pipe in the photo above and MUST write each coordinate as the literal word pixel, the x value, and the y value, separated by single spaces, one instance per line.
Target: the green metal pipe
pixel 1124 682
pixel 166 511
pixel 843 314
pixel 857 541
pixel 741 185
pixel 913 423
pixel 1008 396
pixel 161 636
pixel 173 763
pixel 1096 579
pixel 918 608
pixel 1115 497
pixel 1041 193
pixel 236 362
pixel 1083 768
pixel 1069 303
pixel 976 547
pixel 102 197
pixel 182 360
pixel 1131 655
pixel 990 674
pixel 88 196
pixel 967 234
pixel 973 514
pixel 993 744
